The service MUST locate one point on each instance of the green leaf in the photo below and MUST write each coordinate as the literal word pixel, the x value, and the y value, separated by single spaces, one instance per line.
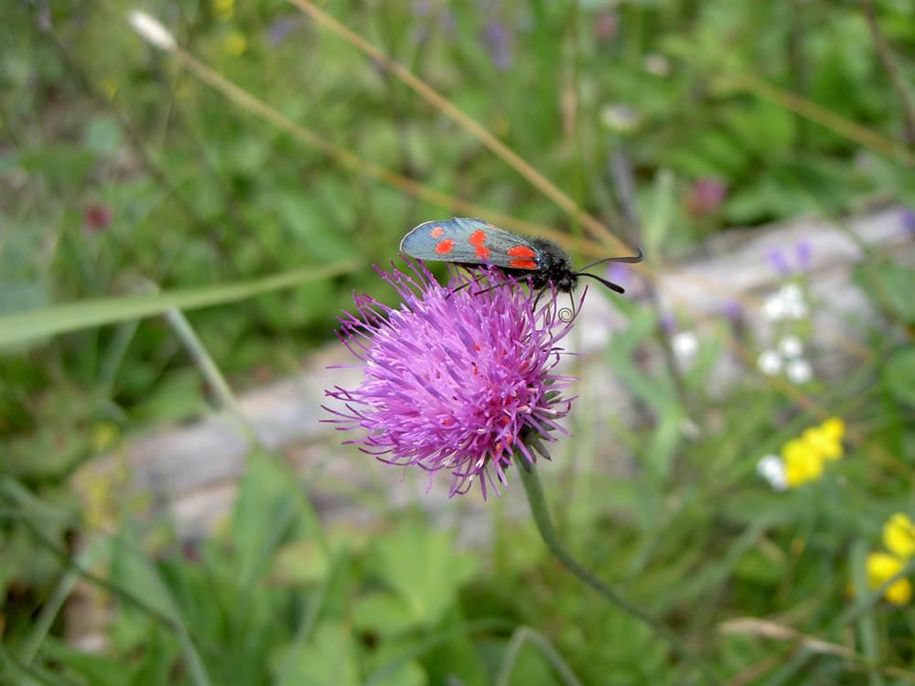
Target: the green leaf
pixel 133 571
pixel 659 211
pixel 178 397
pixel 899 376
pixel 383 613
pixel 330 659
pixel 95 669
pixel 269 506
pixel 62 165
pixel 23 327
pixel 422 567
pixel 103 136
pixel 892 285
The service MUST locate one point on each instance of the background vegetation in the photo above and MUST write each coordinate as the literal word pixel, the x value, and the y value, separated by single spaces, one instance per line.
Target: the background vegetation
pixel 126 171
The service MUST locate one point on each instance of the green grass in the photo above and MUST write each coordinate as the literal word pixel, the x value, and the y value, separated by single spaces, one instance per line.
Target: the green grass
pixel 259 200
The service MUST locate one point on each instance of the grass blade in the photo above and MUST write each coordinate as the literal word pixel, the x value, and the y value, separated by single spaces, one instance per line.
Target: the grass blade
pixel 22 327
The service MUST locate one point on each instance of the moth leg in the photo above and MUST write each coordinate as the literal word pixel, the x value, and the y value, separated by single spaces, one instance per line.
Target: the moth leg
pixel 475 280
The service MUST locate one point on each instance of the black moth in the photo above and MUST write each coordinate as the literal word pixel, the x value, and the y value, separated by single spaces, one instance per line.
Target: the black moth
pixel 473 242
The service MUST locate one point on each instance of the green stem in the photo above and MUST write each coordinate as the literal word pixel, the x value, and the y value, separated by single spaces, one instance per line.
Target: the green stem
pixel 534 491
pixel 52 607
pixel 526 634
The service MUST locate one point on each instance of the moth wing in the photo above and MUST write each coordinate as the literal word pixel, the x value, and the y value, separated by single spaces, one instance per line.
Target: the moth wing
pixel 470 241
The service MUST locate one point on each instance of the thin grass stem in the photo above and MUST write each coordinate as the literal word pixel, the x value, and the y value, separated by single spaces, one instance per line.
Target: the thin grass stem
pixel 535 497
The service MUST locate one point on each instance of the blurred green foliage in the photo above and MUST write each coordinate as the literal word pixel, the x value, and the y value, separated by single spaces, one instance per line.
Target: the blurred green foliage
pixel 120 174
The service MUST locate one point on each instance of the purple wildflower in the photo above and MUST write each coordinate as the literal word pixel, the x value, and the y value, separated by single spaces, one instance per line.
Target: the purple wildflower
pixel 96 217
pixel 908 220
pixel 499 44
pixel 421 8
pixel 458 378
pixel 281 28
pixel 448 22
pixel 734 313
pixel 620 273
pixel 606 26
pixel 784 265
pixel 668 323
pixel 779 261
pixel 706 196
pixel 803 253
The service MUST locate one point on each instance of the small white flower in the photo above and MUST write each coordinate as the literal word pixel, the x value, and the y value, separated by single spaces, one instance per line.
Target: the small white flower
pixel 799 371
pixel 791 346
pixel 685 344
pixel 791 293
pixel 620 117
pixel 772 469
pixel 151 30
pixel 769 362
pixel 797 309
pixel 656 64
pixel 774 308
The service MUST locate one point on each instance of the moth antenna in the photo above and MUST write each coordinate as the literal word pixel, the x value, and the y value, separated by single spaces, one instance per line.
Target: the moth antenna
pixel 570 316
pixel 628 259
pixel 567 314
pixel 609 284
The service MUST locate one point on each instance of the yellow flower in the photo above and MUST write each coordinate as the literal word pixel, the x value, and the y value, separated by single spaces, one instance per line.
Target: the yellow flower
pixel 223 9
pixel 826 439
pixel 235 43
pixel 881 567
pixel 834 427
pixel 104 435
pixel 899 535
pixel 803 462
pixel 109 87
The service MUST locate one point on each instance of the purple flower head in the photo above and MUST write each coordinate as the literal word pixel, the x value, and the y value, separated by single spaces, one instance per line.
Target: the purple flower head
pixel 499 44
pixel 779 261
pixel 732 310
pixel 803 253
pixel 457 378
pixel 606 26
pixel 908 221
pixel 706 196
pixel 448 22
pixel 668 323
pixel 784 265
pixel 421 8
pixel 96 217
pixel 620 273
pixel 281 28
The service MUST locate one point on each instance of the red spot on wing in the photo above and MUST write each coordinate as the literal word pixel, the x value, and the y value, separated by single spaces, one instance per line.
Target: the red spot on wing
pixel 444 247
pixel 523 264
pixel 477 240
pixel 436 231
pixel 521 251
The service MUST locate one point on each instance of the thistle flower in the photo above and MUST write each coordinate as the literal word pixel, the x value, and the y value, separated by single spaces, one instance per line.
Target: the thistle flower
pixel 457 378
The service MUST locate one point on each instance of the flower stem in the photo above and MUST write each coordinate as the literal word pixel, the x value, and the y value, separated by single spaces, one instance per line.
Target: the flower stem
pixel 534 491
